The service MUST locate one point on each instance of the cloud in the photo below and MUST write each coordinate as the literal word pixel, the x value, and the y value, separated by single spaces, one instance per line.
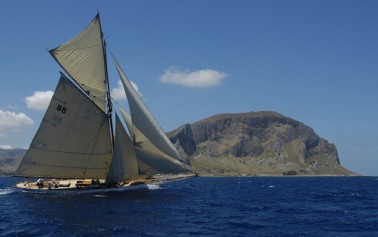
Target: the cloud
pixel 6 147
pixel 118 93
pixel 201 78
pixel 39 100
pixel 12 120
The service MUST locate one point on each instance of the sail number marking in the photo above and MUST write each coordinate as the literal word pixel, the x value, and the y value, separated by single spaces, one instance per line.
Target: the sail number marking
pixel 61 109
pixel 56 118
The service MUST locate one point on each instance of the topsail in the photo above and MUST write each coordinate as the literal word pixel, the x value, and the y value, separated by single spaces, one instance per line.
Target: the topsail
pixel 83 59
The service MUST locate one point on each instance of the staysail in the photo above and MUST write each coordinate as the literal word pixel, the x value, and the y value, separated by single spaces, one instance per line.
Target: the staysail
pixel 150 160
pixel 83 58
pixel 124 163
pixel 152 146
pixel 73 140
pixel 127 119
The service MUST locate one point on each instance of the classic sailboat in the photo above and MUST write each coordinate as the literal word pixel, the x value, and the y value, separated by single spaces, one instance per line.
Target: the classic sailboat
pixel 81 142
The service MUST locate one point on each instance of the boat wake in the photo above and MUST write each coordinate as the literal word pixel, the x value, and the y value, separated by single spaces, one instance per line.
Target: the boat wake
pixel 100 196
pixel 6 191
pixel 153 186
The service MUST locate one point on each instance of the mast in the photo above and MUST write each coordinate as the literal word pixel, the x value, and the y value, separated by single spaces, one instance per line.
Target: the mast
pixel 108 97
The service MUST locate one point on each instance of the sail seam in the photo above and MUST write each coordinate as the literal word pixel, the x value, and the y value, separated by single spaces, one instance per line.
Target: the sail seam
pixel 81 48
pixel 77 153
pixel 71 167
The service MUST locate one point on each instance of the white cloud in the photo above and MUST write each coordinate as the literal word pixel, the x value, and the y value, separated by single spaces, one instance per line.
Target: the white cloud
pixel 11 120
pixel 201 78
pixel 6 147
pixel 118 93
pixel 39 100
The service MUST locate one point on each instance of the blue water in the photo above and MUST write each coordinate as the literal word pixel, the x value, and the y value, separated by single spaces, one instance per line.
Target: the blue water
pixel 256 206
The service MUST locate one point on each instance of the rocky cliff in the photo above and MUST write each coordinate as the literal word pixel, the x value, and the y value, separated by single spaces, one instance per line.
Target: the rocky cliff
pixel 255 143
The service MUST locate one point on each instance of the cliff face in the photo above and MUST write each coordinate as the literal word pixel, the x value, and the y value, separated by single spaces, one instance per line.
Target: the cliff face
pixel 256 143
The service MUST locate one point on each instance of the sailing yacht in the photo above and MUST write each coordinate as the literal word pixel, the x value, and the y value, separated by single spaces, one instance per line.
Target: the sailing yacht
pixel 82 144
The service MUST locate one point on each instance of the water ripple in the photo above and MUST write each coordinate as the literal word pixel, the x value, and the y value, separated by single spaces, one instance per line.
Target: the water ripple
pixel 254 206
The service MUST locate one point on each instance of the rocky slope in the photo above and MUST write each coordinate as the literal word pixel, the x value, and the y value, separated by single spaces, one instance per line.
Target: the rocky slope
pixel 10 159
pixel 255 143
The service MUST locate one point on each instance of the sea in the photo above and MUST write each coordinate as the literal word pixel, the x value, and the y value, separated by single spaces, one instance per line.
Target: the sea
pixel 200 206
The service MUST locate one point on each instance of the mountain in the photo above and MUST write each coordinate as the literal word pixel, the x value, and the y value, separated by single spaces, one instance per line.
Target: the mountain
pixel 255 143
pixel 243 144
pixel 10 159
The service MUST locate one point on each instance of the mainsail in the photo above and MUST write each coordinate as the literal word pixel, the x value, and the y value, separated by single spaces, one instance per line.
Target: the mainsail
pixel 73 140
pixel 151 143
pixel 83 58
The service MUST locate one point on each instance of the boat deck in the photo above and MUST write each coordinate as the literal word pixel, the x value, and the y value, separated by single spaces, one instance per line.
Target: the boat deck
pixel 96 185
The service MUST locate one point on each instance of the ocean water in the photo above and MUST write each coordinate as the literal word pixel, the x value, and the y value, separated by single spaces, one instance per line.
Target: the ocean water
pixel 253 206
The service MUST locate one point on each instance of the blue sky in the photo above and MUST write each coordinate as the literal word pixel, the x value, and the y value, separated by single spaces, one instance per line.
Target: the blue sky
pixel 314 61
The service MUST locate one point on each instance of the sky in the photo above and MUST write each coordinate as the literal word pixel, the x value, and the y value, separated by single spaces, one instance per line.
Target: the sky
pixel 313 61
